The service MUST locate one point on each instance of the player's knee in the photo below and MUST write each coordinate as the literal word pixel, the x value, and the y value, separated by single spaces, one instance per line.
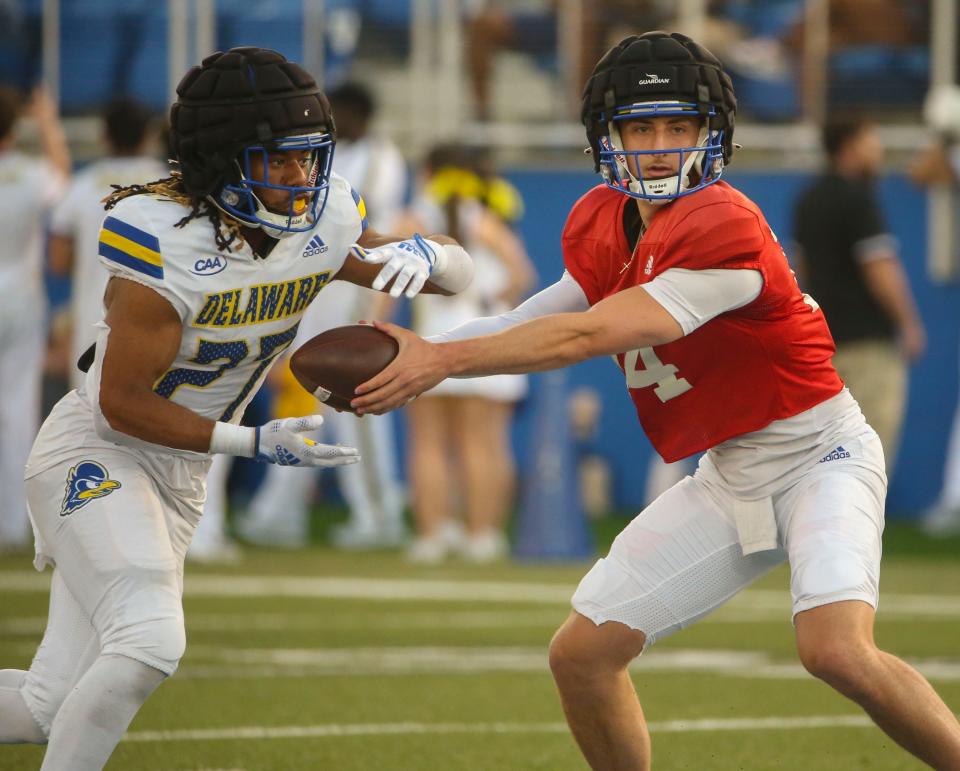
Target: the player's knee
pixel 581 650
pixel 568 663
pixel 843 664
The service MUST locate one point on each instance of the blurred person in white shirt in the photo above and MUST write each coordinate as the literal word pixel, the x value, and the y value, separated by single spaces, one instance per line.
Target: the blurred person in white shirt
pixel 29 186
pixel 461 458
pixel 75 222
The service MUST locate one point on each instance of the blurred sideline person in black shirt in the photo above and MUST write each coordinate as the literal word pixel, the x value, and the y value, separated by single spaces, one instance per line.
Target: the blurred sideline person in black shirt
pixel 848 261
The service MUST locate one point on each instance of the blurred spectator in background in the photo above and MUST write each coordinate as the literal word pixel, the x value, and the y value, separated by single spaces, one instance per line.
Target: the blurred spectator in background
pixel 939 165
pixel 75 222
pixel 847 259
pixel 491 28
pixel 369 160
pixel 877 51
pixel 279 513
pixel 594 476
pixel 20 42
pixel 29 186
pixel 533 28
pixel 862 22
pixel 460 452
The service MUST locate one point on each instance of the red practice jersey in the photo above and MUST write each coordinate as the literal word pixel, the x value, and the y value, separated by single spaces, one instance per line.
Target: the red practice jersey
pixel 770 359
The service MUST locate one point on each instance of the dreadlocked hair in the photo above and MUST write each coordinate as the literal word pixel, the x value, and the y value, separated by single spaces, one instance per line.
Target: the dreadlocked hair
pixel 226 229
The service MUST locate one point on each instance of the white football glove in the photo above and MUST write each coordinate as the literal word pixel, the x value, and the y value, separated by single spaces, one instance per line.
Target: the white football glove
pixel 283 442
pixel 411 261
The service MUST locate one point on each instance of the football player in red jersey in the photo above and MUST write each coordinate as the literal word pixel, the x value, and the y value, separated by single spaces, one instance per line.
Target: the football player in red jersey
pixel 678 276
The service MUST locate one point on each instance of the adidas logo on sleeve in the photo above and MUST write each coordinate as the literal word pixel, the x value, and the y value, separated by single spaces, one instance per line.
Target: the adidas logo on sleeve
pixel 315 247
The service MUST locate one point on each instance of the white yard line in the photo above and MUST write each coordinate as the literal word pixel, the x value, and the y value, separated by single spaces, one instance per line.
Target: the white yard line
pixel 213 585
pixel 505 618
pixel 213 662
pixel 393 729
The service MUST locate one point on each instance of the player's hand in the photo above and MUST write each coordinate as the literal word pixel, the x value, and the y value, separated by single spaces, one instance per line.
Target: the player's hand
pixel 284 443
pixel 409 263
pixel 418 367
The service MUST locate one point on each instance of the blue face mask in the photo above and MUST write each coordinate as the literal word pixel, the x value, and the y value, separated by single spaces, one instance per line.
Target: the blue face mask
pixel 241 201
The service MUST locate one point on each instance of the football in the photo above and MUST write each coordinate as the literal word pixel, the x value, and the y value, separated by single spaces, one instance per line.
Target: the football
pixel 332 364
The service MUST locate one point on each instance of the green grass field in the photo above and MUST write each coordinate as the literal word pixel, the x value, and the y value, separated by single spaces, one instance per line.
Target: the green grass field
pixel 323 660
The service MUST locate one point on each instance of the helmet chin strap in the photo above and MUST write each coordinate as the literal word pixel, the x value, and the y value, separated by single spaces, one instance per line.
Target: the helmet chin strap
pixel 280 220
pixel 665 185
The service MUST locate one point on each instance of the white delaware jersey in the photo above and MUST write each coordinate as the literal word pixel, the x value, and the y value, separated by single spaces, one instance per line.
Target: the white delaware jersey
pixel 239 312
pixel 78 216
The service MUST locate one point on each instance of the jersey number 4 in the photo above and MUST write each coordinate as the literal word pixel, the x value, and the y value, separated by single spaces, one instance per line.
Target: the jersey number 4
pixel 643 368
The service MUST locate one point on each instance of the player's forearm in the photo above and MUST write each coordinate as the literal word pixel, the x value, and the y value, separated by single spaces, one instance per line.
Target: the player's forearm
pixel 622 322
pixel 151 418
pixel 564 296
pixel 546 343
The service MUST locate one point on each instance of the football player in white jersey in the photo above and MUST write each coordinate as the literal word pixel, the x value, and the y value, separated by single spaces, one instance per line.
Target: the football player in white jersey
pixel 210 271
pixel 28 188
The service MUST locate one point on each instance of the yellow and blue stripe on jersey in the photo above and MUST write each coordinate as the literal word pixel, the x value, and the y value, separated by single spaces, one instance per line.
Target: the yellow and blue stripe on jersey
pixel 127 245
pixel 361 207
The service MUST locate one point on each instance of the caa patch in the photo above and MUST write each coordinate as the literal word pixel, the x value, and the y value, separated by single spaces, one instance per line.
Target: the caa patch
pixel 209 266
pixel 85 482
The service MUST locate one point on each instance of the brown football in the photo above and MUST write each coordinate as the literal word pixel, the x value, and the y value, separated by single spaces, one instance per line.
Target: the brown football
pixel 332 364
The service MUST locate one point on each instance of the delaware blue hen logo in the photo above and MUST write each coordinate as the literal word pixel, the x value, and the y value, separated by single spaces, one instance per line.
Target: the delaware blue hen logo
pixel 85 482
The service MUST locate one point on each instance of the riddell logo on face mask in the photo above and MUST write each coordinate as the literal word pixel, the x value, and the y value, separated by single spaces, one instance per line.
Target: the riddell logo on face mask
pixel 650 79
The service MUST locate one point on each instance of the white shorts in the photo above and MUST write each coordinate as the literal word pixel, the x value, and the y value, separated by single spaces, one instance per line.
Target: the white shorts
pixel 119 551
pixel 681 557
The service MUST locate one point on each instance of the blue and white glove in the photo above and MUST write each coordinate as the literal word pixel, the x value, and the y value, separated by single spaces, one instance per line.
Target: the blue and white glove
pixel 411 262
pixel 282 442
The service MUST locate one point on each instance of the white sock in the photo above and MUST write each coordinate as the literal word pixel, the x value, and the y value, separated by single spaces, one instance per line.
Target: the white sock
pixel 17 725
pixel 93 718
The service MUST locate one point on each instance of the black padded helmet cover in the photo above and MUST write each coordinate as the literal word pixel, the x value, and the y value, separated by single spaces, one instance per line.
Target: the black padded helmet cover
pixel 232 100
pixel 657 66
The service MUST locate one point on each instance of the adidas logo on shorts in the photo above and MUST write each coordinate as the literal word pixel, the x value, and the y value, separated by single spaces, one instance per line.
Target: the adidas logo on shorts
pixel 838 454
pixel 315 247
